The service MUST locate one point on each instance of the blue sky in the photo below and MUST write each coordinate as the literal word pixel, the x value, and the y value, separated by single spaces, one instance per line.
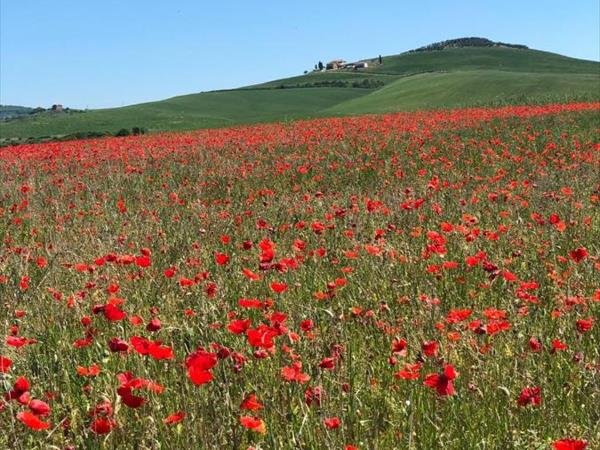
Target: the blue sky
pixel 102 53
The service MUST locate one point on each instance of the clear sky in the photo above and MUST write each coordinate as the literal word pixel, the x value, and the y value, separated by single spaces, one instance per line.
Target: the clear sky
pixel 102 53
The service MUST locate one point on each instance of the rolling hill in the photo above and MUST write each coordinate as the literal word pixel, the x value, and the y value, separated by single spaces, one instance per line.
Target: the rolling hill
pixel 11 111
pixel 446 77
pixel 471 88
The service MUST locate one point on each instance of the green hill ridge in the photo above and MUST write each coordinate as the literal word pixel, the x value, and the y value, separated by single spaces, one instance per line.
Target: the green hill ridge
pixel 422 79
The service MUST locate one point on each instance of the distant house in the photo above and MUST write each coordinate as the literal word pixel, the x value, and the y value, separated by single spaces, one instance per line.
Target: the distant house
pixel 335 64
pixel 361 65
pixel 57 108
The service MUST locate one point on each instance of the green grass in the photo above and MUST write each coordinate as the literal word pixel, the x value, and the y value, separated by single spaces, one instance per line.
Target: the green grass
pixel 496 184
pixel 440 90
pixel 508 59
pixel 435 79
pixel 315 77
pixel 204 110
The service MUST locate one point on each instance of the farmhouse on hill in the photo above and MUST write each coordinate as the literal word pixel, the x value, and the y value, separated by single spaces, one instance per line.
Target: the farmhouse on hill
pixel 335 64
pixel 341 64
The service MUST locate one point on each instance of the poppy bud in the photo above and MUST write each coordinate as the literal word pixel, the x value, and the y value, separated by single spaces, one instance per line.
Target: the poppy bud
pixel 154 325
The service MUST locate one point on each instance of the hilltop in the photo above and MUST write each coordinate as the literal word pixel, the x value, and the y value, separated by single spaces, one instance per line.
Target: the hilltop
pixel 455 73
pixel 467 42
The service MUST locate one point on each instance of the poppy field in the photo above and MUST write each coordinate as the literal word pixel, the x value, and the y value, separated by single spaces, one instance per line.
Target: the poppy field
pixel 406 281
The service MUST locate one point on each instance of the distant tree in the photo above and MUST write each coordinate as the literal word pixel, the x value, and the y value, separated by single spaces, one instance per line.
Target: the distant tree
pixel 466 42
pixel 316 66
pixel 320 65
pixel 380 59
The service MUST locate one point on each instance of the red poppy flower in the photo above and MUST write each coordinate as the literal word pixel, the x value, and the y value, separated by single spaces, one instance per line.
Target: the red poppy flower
pixel 458 315
pixel 327 363
pixel 535 345
pixel 159 352
pixel 253 423
pixel 262 336
pixel 578 254
pixel 267 251
pixel 221 259
pixel 31 421
pixel 314 395
pixel 307 325
pixel 19 391
pixel 558 345
pixel 430 348
pixel 154 325
pixel 113 312
pixel 170 272
pixel 251 403
pixel 174 418
pixel 239 326
pixel 41 262
pixel 186 282
pixel 399 347
pixel 117 345
pixel 530 396
pixel 142 261
pixel 279 287
pixel 5 364
pixel 294 373
pixel 569 444
pixel 443 382
pixel 509 276
pixel 584 325
pixel 250 303
pixel 18 341
pixel 39 408
pixel 128 398
pixel 90 371
pixel 332 422
pixel 103 425
pixel 409 372
pixel 199 365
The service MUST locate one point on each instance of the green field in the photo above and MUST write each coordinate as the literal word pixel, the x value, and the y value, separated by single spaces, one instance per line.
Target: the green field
pixel 509 59
pixel 477 87
pixel 205 110
pixel 455 77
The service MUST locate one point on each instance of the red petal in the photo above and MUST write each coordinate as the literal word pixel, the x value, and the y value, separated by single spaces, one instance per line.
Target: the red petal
pixel 199 376
pixel 31 421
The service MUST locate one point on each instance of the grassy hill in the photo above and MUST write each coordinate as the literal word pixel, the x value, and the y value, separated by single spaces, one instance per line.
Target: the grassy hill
pixel 472 88
pixel 12 111
pixel 472 58
pixel 205 110
pixel 451 77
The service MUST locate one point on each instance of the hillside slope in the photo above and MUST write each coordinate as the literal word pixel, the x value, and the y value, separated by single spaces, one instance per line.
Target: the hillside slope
pixel 13 111
pixel 471 88
pixel 426 79
pixel 496 58
pixel 204 110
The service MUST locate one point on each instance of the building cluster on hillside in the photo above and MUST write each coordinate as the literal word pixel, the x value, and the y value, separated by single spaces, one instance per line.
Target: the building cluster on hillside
pixel 341 64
